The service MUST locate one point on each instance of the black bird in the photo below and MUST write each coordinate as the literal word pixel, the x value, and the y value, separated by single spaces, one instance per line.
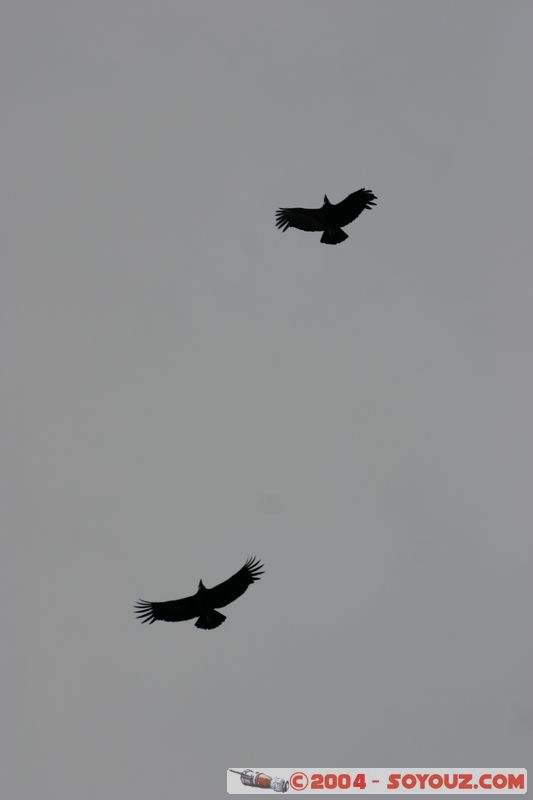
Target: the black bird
pixel 330 218
pixel 203 603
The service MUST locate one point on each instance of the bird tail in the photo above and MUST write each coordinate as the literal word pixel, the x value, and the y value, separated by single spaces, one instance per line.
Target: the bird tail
pixel 210 619
pixel 333 236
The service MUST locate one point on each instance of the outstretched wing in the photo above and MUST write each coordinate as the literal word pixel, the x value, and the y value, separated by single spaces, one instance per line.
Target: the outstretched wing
pixel 306 219
pixel 350 208
pixel 228 591
pixel 171 611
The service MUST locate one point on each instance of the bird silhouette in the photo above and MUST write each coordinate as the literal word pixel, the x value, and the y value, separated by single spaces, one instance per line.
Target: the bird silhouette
pixel 205 601
pixel 330 218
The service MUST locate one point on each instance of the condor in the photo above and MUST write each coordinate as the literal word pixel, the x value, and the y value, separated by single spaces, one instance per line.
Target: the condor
pixel 204 602
pixel 331 218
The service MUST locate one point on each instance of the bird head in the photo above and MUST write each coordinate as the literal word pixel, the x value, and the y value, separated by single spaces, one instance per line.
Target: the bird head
pixel 326 201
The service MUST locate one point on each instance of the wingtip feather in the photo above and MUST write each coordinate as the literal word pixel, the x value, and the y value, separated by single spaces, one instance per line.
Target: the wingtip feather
pixel 254 567
pixel 144 611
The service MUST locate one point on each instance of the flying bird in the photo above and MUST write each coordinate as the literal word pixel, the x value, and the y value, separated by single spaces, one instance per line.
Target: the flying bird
pixel 330 218
pixel 205 601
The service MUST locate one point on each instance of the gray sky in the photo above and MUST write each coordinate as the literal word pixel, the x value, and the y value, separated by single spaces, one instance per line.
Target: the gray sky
pixel 184 385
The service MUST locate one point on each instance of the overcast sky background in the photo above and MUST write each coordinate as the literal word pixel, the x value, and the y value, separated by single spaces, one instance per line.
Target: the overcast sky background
pixel 184 385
